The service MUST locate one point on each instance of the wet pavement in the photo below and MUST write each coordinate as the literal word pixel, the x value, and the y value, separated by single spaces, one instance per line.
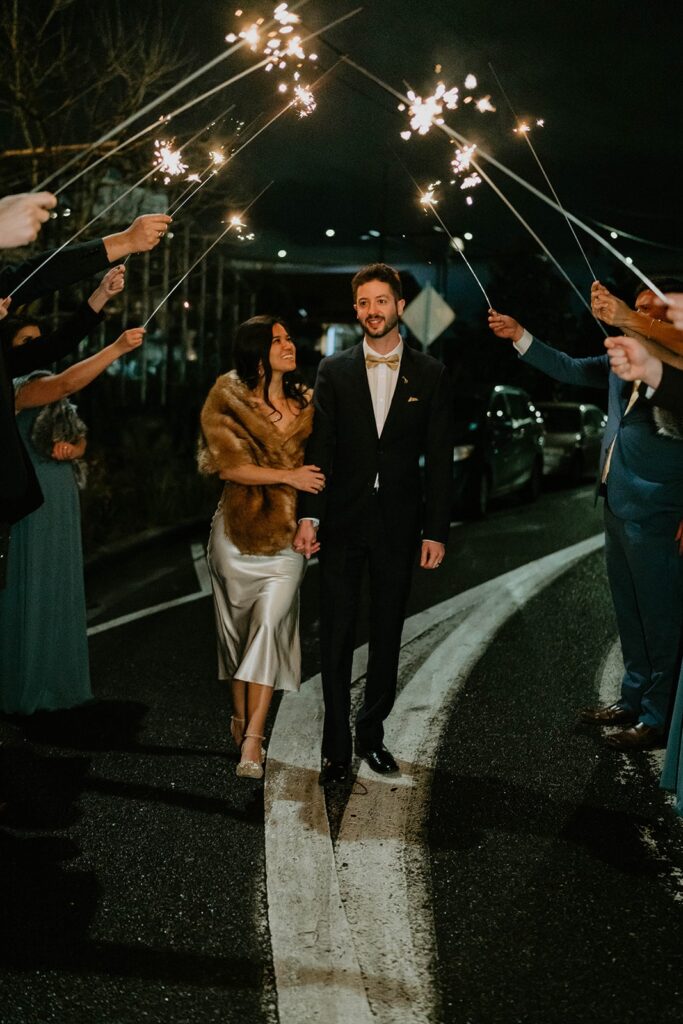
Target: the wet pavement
pixel 134 880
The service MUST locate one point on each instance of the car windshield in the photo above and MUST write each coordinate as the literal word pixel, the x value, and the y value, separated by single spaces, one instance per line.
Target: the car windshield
pixel 561 420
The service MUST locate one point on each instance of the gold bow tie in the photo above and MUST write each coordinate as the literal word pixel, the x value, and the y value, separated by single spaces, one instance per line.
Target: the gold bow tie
pixel 391 361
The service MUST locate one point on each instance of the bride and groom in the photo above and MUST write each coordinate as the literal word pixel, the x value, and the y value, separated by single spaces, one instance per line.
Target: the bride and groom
pixel 353 452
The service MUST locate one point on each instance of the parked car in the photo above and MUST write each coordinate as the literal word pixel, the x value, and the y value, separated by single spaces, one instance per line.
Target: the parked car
pixel 573 438
pixel 498 448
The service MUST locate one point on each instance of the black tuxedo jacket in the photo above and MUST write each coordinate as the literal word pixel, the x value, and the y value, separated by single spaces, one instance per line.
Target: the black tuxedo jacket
pixel 345 445
pixel 19 490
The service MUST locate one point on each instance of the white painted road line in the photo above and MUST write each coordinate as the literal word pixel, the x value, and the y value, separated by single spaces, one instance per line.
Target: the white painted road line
pixel 365 960
pixel 143 613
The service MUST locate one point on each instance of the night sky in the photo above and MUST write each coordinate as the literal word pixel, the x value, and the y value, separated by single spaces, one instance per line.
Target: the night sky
pixel 604 76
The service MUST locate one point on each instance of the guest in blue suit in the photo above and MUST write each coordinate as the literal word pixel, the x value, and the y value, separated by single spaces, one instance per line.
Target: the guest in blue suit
pixel 630 360
pixel 641 479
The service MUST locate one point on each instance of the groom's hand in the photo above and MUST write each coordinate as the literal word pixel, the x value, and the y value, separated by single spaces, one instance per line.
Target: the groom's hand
pixel 432 554
pixel 305 538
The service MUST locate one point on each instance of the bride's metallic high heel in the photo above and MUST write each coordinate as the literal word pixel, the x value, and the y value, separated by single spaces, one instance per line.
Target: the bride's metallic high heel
pixel 251 769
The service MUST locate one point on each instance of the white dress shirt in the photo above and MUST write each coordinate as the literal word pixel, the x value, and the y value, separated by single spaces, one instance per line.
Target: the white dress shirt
pixel 382 383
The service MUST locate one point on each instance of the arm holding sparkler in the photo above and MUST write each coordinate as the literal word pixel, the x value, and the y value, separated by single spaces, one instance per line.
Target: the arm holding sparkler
pixel 630 360
pixel 22 216
pixel 613 311
pixel 143 234
pixel 44 390
pixel 49 271
pixel 591 372
pixel 41 351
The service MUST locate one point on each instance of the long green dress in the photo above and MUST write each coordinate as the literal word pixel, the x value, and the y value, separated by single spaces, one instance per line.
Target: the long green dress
pixel 43 642
pixel 672 775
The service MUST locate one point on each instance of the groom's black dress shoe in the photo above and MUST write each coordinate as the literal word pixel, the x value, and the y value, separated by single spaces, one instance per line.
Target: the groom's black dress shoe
pixel 333 773
pixel 380 760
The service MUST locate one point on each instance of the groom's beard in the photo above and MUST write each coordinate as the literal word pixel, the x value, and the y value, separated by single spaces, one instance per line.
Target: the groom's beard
pixel 384 327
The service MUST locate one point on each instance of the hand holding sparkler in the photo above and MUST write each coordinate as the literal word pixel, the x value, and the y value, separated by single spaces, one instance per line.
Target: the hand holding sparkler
pixel 111 284
pixel 128 341
pixel 607 307
pixel 21 217
pixel 4 307
pixel 505 326
pixel 143 234
pixel 630 360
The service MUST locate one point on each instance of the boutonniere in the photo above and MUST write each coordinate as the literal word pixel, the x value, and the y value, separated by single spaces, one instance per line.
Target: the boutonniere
pixel 413 399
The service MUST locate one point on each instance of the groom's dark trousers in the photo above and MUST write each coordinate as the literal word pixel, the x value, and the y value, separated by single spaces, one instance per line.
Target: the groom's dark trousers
pixel 378 528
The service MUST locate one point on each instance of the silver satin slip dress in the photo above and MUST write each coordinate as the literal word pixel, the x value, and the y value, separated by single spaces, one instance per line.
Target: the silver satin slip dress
pixel 256 600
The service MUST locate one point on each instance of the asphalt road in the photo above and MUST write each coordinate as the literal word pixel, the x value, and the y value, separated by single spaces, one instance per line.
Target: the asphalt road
pixel 134 877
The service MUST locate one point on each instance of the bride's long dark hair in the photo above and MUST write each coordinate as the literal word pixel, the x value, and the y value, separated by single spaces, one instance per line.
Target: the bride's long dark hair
pixel 251 357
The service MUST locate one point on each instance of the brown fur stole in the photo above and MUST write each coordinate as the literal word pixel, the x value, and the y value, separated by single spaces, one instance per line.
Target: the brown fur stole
pixel 260 520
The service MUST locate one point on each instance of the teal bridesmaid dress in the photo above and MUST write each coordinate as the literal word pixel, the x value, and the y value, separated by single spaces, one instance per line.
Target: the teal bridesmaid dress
pixel 43 642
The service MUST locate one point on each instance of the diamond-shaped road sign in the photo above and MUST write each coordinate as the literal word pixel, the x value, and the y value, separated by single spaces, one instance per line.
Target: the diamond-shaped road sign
pixel 428 315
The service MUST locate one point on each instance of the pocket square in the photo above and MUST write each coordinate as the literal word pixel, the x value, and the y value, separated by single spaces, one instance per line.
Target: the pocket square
pixel 413 399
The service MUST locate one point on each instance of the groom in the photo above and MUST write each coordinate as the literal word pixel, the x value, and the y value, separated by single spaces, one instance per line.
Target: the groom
pixel 378 407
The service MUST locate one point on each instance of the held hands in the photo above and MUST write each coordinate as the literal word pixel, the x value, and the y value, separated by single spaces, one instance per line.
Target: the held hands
pixel 432 554
pixel 607 307
pixel 504 326
pixel 111 284
pixel 305 539
pixel 307 478
pixel 22 215
pixel 129 340
pixel 630 360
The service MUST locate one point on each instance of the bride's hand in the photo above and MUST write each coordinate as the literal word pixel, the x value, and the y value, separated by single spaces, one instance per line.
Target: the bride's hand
pixel 307 478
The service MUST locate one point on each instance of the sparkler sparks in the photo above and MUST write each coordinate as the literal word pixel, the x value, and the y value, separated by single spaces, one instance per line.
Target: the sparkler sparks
pixel 429 197
pixel 471 181
pixel 462 160
pixel 484 105
pixel 304 100
pixel 471 82
pixel 426 112
pixel 168 160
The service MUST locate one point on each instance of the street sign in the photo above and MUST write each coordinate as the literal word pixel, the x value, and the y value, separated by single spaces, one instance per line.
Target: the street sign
pixel 428 315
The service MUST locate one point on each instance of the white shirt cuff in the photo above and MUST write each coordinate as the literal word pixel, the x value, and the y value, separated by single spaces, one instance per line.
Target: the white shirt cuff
pixel 524 342
pixel 310 519
pixel 649 391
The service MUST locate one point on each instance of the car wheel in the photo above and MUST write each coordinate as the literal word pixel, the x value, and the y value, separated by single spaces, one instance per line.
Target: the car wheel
pixel 532 488
pixel 478 496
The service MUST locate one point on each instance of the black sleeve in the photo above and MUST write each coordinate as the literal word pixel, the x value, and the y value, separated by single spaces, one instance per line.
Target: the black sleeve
pixel 41 352
pixel 321 443
pixel 669 394
pixel 439 462
pixel 74 263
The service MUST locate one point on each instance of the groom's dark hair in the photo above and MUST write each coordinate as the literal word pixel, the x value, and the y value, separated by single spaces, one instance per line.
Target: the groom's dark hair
pixel 378 272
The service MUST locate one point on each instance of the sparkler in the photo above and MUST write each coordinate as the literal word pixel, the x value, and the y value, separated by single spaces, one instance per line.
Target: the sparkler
pixel 236 221
pixel 157 101
pixel 525 130
pixel 190 103
pixel 429 200
pixel 463 141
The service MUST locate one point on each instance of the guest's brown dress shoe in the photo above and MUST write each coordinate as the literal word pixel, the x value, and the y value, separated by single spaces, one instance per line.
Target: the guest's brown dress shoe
pixel 614 714
pixel 638 737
